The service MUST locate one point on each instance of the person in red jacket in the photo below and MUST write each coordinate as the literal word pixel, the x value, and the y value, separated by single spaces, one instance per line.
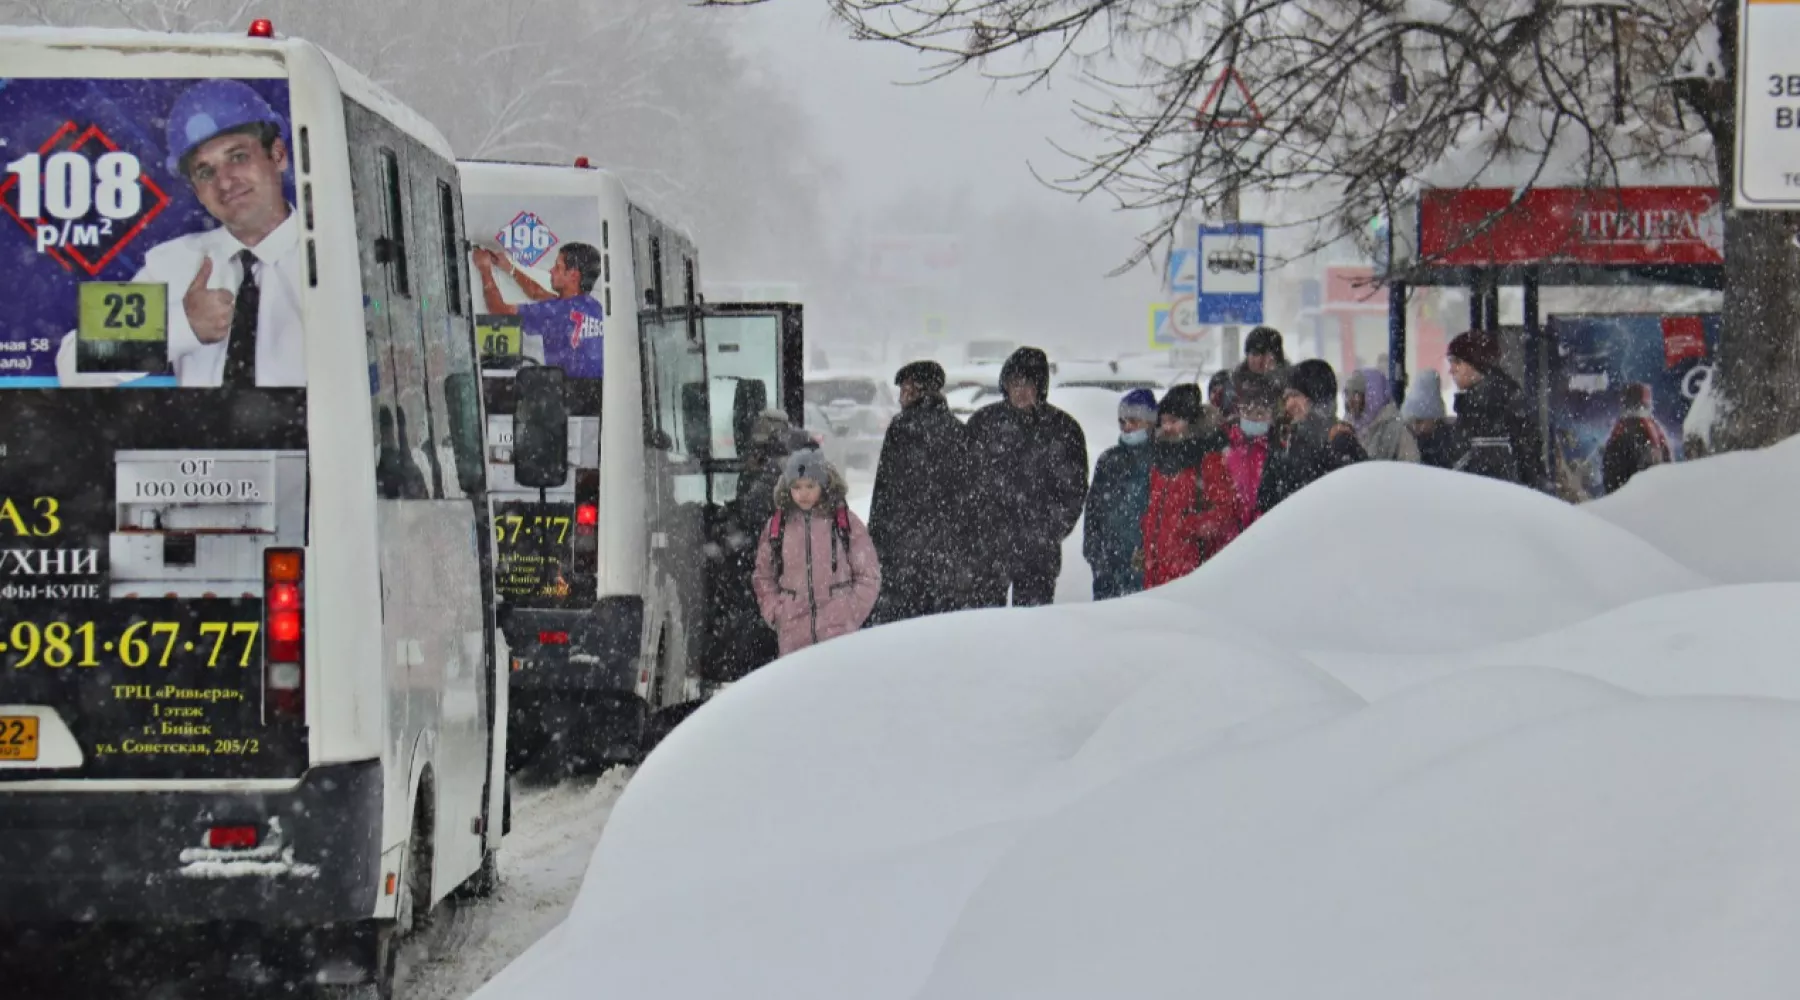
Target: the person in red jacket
pixel 1193 509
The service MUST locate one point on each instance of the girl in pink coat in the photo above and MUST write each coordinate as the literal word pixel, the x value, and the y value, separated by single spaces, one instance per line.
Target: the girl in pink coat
pixel 816 572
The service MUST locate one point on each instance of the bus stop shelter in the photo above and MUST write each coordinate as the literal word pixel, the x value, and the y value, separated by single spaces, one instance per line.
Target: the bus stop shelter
pixel 1487 238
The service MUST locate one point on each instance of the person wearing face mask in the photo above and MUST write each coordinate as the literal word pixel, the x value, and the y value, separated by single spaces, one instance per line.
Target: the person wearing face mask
pixel 1258 398
pixel 1193 508
pixel 1112 529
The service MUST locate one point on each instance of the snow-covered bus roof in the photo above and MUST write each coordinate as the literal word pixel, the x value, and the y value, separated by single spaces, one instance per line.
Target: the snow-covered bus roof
pixel 158 53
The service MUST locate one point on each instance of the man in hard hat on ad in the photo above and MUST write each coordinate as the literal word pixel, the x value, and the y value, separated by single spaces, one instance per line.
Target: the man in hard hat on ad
pixel 234 291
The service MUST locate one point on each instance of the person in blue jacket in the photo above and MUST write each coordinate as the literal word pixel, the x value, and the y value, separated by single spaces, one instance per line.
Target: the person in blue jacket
pixel 1113 531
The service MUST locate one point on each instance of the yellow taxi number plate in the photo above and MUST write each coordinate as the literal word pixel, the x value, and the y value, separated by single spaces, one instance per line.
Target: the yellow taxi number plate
pixel 121 311
pixel 18 737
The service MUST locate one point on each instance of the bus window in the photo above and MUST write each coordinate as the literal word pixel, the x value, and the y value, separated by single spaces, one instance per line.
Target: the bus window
pixel 743 360
pixel 394 331
pixel 395 222
pixel 453 288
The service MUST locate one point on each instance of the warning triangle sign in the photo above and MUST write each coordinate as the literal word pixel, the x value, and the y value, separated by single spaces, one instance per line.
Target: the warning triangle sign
pixel 1229 104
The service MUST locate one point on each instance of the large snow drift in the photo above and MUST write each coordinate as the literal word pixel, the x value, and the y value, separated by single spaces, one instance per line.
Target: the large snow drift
pixel 1414 735
pixel 1724 516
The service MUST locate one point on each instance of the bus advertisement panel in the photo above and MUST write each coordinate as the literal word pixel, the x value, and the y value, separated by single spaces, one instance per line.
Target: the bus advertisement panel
pixel 540 266
pixel 152 430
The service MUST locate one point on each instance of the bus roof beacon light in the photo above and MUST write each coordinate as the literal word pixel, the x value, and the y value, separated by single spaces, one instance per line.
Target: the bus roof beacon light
pixel 583 162
pixel 262 27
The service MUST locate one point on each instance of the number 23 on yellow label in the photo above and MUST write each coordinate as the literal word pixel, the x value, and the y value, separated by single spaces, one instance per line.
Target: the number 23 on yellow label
pixel 115 310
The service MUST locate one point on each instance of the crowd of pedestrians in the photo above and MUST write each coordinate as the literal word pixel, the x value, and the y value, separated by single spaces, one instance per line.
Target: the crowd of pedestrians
pixel 974 515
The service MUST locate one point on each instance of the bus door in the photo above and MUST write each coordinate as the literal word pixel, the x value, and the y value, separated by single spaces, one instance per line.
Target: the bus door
pixel 755 356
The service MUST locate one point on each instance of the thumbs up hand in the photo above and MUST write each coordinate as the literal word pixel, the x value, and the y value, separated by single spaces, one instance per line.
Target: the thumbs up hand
pixel 209 310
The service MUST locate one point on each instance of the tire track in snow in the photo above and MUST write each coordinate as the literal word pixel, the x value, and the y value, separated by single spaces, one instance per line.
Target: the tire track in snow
pixel 542 863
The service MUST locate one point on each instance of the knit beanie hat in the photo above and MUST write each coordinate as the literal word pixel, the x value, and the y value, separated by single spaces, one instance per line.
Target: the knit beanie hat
pixel 927 375
pixel 807 463
pixel 1424 397
pixel 1479 349
pixel 1138 404
pixel 1315 380
pixel 1183 401
pixel 1265 340
pixel 1636 395
pixel 1250 388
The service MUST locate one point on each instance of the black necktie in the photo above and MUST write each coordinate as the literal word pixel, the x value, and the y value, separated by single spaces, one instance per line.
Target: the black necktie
pixel 240 350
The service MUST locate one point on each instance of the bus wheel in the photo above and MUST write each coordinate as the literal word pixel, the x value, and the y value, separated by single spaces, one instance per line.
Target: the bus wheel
pixel 412 916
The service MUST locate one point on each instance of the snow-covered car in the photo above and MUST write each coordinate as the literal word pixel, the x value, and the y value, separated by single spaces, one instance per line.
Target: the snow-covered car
pixel 832 438
pixel 859 408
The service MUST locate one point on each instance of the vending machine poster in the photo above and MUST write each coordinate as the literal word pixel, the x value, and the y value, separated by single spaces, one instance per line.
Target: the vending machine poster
pixel 1596 357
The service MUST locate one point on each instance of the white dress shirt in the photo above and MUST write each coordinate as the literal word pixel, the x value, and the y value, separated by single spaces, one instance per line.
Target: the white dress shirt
pixel 280 337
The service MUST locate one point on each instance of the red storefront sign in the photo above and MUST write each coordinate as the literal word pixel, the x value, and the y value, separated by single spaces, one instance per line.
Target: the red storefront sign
pixel 1353 289
pixel 1616 227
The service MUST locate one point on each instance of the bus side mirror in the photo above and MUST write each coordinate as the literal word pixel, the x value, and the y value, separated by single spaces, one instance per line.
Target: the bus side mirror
pixel 696 419
pixel 540 451
pixel 467 436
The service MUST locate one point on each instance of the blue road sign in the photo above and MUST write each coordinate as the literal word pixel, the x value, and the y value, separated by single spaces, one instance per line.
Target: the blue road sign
pixel 1181 277
pixel 1229 265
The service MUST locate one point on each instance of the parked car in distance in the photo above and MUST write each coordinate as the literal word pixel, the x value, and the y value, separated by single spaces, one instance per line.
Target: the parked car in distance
pixel 859 408
pixel 830 438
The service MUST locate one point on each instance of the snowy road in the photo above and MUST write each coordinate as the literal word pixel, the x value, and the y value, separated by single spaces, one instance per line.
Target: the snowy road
pixel 555 828
pixel 542 863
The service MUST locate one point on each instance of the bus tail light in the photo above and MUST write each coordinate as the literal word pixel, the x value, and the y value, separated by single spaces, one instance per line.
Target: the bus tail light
pixel 585 552
pixel 284 630
pixel 553 638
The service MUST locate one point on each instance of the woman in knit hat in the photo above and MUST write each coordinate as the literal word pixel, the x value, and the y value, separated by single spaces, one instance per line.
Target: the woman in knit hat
pixel 1112 523
pixel 1193 509
pixel 817 575
pixel 1424 414
pixel 1310 441
pixel 1496 432
pixel 1636 443
pixel 1371 409
pixel 1258 400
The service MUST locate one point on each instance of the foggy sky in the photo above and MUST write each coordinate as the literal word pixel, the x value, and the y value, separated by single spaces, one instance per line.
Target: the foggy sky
pixel 887 140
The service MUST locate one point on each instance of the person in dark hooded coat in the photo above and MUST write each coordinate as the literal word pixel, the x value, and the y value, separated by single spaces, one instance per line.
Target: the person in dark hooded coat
pixel 1033 467
pixel 922 515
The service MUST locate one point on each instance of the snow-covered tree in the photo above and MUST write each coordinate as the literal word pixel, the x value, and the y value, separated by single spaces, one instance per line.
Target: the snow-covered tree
pixel 1360 98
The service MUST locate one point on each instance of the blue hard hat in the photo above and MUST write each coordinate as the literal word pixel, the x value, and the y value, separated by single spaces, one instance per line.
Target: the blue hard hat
pixel 212 107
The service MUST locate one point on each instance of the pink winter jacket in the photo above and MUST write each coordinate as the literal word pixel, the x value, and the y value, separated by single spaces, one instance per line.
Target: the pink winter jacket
pixel 813 602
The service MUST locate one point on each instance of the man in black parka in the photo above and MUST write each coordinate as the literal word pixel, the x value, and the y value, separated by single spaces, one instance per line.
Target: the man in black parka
pixel 1032 466
pixel 924 514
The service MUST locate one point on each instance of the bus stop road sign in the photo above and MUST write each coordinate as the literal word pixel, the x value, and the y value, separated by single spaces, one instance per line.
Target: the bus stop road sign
pixel 1229 266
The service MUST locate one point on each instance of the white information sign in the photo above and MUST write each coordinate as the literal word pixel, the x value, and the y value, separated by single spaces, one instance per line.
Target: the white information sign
pixel 200 479
pixel 1768 105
